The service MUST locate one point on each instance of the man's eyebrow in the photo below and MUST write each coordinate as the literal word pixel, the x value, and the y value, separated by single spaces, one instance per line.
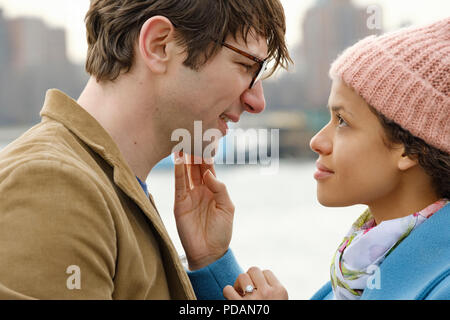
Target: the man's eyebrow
pixel 339 108
pixel 248 60
pixel 243 52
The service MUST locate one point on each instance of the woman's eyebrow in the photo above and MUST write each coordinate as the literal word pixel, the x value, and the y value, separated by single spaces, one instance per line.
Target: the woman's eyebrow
pixel 339 108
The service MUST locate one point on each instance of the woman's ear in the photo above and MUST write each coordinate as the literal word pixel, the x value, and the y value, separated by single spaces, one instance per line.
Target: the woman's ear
pixel 155 43
pixel 405 162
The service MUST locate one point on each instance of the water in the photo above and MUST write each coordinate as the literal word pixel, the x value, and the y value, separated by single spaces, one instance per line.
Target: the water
pixel 279 225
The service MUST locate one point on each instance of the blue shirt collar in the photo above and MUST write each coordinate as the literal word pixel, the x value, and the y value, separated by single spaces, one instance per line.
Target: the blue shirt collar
pixel 144 186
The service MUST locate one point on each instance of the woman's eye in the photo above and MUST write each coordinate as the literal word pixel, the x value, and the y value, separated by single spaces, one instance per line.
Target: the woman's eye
pixel 341 121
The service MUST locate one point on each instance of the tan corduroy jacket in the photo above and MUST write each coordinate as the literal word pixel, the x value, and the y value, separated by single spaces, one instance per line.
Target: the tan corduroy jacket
pixel 74 221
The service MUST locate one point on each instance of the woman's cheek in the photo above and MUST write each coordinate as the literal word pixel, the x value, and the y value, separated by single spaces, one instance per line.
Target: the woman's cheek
pixel 352 180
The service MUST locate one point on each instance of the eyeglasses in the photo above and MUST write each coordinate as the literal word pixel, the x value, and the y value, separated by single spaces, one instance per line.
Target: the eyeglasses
pixel 262 63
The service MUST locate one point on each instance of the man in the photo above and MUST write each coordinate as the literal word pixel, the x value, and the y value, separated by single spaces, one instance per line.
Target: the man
pixel 76 220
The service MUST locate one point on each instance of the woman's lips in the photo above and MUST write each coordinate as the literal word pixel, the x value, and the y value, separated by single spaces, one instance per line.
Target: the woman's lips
pixel 322 172
pixel 320 175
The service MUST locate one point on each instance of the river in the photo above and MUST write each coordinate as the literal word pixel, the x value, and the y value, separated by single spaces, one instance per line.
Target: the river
pixel 279 225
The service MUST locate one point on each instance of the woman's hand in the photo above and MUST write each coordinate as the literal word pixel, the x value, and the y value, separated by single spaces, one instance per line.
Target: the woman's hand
pixel 256 285
pixel 203 212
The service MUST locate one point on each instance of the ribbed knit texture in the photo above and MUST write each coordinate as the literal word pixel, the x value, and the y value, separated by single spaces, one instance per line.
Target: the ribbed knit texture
pixel 405 75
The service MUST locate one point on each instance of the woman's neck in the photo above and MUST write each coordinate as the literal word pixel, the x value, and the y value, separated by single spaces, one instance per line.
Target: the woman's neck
pixel 411 195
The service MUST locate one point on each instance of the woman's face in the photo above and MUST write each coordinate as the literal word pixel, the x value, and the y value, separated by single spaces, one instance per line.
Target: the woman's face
pixel 354 165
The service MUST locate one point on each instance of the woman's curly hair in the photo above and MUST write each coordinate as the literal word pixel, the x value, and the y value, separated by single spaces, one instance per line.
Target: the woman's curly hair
pixel 435 162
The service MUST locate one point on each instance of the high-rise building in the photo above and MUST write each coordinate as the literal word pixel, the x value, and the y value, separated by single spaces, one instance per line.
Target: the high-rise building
pixel 4 46
pixel 329 27
pixel 32 60
pixel 33 43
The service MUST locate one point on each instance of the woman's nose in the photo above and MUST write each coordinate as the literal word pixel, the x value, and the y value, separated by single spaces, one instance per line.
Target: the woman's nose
pixel 320 143
pixel 253 99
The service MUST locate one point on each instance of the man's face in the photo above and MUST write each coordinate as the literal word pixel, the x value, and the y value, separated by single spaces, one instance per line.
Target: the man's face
pixel 220 88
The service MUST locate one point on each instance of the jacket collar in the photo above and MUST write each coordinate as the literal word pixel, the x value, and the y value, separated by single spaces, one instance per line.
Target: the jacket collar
pixel 420 261
pixel 414 268
pixel 61 108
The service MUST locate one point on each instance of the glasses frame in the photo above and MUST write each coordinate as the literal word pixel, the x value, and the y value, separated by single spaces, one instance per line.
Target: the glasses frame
pixel 262 63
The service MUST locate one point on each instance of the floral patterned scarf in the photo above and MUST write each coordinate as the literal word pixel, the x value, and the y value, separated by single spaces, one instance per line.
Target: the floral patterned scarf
pixel 366 246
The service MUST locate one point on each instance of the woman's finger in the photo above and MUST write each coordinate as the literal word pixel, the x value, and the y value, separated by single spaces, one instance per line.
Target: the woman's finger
pixel 270 278
pixel 231 294
pixel 242 282
pixel 257 277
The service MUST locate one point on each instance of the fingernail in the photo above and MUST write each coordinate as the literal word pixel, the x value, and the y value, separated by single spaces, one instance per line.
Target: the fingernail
pixel 209 173
pixel 178 160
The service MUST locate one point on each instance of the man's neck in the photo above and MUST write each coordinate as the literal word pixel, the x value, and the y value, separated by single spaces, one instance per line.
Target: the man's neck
pixel 128 122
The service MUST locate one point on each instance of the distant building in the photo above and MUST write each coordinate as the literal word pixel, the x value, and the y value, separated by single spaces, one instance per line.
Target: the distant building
pixel 33 43
pixel 4 48
pixel 329 27
pixel 33 59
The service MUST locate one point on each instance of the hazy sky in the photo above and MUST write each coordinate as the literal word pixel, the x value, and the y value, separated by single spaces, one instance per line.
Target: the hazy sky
pixel 70 14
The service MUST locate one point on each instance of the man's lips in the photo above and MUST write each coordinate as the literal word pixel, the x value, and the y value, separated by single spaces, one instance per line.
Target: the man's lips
pixel 223 122
pixel 233 118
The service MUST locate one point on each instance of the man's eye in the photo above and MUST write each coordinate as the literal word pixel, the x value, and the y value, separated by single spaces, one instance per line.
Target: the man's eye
pixel 247 67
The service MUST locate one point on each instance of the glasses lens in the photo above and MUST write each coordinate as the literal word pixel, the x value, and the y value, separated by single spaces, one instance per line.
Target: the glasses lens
pixel 260 73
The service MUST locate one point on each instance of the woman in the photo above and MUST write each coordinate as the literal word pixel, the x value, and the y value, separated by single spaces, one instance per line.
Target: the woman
pixel 386 146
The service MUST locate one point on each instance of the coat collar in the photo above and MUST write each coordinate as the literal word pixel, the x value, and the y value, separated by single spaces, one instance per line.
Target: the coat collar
pixel 420 261
pixel 414 268
pixel 61 108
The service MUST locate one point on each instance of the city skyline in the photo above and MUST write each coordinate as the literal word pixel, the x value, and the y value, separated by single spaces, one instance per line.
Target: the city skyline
pixel 30 64
pixel 33 58
pixel 69 15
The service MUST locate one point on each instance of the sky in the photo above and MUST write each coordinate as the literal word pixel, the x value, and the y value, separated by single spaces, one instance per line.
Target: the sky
pixel 69 14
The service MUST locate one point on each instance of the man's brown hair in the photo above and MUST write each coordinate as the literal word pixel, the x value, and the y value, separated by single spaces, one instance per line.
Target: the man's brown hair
pixel 113 27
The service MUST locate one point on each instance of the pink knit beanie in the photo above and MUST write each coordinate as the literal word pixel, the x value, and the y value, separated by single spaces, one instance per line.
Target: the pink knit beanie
pixel 405 75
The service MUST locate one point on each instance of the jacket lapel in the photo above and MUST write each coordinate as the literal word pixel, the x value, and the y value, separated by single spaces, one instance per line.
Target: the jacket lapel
pixel 65 110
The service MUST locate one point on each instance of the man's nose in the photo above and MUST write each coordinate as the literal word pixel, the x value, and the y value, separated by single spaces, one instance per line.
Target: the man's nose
pixel 253 99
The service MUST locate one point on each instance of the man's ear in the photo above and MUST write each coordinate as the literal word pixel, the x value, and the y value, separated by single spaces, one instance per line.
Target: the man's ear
pixel 155 42
pixel 406 162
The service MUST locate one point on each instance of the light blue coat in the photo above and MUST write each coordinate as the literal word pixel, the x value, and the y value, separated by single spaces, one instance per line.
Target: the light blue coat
pixel 418 269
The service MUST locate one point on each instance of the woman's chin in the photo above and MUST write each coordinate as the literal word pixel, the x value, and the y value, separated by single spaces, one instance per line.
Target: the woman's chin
pixel 332 202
